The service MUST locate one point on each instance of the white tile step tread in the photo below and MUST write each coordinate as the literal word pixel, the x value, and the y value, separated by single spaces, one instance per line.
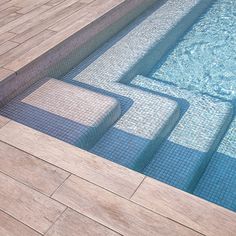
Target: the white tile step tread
pixel 70 113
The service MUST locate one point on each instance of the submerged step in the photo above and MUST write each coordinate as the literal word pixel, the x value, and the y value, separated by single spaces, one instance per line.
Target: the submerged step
pixel 67 112
pixel 183 157
pixel 133 140
pixel 218 184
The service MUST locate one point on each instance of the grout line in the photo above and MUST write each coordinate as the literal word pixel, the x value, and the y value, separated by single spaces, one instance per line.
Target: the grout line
pixel 138 187
pixel 66 170
pixel 5 123
pixel 141 206
pixel 60 185
pixel 135 203
pixel 55 221
pixel 94 220
pixel 20 222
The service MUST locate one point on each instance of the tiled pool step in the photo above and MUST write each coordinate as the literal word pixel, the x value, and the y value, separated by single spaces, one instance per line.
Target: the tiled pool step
pixel 218 184
pixel 70 113
pixel 134 139
pixel 183 157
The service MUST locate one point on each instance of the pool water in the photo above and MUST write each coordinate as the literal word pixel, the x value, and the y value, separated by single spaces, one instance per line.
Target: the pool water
pixel 205 58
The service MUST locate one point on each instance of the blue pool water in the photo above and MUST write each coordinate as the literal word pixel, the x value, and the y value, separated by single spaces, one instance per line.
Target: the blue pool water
pixel 205 58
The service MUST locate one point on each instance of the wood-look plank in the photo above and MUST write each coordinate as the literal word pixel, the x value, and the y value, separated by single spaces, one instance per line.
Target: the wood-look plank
pixel 54 2
pixel 31 171
pixel 115 212
pixel 205 217
pixel 102 172
pixel 4 73
pixel 61 36
pixel 8 11
pixel 8 45
pixel 9 18
pixel 27 205
pixel 6 4
pixel 50 13
pixel 3 121
pixel 6 36
pixel 11 227
pixel 33 5
pixel 72 223
pixel 71 19
pixel 24 47
pixel 21 20
pixel 44 24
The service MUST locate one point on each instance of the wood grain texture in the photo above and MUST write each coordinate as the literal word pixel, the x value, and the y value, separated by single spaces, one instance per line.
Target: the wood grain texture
pixel 115 212
pixel 102 172
pixel 11 227
pixel 196 213
pixel 30 170
pixel 72 223
pixel 96 9
pixel 11 54
pixel 8 45
pixel 27 205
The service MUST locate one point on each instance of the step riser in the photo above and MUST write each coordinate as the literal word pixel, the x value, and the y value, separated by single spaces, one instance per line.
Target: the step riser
pixel 183 158
pixel 219 180
pixel 130 150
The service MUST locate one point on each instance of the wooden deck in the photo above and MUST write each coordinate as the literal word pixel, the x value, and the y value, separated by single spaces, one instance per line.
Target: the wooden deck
pixel 51 188
pixel 30 28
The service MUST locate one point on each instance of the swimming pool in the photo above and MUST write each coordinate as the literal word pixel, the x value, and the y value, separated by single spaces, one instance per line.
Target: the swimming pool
pixel 175 124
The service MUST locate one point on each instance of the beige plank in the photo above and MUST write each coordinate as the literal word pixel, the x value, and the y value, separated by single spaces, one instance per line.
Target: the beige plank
pixel 115 212
pixel 3 121
pixel 92 9
pixel 11 17
pixel 6 4
pixel 72 223
pixel 30 170
pixel 52 12
pixel 27 205
pixel 59 37
pixel 21 20
pixel 203 216
pixel 25 47
pixel 11 227
pixel 33 5
pixel 8 11
pixel 54 2
pixel 8 45
pixel 4 73
pixel 102 172
pixel 6 36
pixel 71 19
pixel 44 24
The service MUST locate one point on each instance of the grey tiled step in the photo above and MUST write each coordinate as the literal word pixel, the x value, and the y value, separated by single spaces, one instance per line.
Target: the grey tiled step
pixel 70 113
pixel 183 157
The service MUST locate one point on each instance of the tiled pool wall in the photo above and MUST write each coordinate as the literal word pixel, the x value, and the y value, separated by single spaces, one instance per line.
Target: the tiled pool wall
pixel 167 132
